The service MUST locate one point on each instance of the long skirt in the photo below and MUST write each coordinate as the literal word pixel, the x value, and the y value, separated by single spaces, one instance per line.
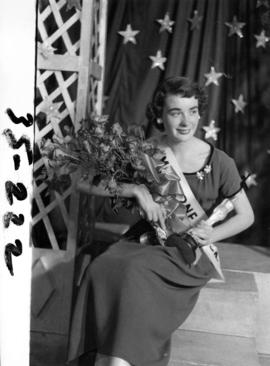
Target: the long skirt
pixel 132 298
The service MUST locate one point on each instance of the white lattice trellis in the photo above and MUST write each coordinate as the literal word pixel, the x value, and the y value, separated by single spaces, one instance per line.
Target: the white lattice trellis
pixel 69 80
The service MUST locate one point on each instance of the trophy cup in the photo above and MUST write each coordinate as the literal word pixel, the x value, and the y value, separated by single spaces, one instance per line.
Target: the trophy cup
pixel 187 244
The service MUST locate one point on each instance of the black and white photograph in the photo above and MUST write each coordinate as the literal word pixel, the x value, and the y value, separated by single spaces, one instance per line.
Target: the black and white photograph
pixel 135 183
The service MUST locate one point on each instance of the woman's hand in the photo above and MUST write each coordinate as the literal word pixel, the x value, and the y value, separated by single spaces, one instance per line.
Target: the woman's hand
pixel 152 210
pixel 202 233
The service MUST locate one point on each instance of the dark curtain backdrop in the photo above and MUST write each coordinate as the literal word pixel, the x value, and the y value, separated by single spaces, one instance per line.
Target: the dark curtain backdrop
pixel 130 81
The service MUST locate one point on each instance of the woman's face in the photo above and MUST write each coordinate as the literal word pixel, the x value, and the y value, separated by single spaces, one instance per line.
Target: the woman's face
pixel 180 117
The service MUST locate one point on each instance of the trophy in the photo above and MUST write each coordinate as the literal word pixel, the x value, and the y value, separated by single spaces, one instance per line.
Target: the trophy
pixel 187 244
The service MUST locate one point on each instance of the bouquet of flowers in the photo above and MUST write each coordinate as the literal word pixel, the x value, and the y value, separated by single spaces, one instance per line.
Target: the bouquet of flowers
pixel 100 151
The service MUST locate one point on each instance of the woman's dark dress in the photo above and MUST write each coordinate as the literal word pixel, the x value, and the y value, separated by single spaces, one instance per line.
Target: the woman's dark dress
pixel 134 296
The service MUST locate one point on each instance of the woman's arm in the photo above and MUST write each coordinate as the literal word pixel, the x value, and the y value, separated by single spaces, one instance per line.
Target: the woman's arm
pixel 125 190
pixel 152 210
pixel 243 218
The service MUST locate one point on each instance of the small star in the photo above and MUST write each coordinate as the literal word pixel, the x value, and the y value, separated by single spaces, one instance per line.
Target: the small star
pixel 211 131
pixel 158 60
pixel 212 76
pixel 262 3
pixel 250 179
pixel 235 27
pixel 207 169
pixel 166 23
pixel 73 3
pixel 200 175
pixel 51 109
pixel 45 49
pixel 261 39
pixel 239 104
pixel 195 21
pixel 129 34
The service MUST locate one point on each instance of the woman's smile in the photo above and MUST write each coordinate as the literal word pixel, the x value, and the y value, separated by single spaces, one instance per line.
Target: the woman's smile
pixel 183 131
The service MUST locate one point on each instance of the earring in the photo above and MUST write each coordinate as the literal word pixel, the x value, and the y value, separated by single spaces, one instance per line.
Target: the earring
pixel 159 121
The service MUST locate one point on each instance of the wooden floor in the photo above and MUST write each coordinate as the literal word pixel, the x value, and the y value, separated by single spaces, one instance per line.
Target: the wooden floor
pixel 230 325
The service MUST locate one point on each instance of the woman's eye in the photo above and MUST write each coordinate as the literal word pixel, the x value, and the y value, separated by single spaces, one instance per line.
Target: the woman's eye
pixel 193 112
pixel 175 114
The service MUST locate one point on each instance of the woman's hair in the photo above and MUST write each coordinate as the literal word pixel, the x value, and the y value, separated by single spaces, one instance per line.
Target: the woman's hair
pixel 174 85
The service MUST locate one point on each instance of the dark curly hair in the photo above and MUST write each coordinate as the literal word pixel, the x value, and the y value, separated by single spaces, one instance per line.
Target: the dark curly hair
pixel 175 85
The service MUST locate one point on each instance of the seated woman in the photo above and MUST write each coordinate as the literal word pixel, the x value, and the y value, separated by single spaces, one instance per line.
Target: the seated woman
pixel 134 296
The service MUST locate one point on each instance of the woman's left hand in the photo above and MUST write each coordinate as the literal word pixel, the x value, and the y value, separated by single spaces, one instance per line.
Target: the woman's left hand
pixel 202 233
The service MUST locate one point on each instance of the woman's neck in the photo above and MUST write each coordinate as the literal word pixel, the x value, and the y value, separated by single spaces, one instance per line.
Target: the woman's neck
pixel 191 155
pixel 184 147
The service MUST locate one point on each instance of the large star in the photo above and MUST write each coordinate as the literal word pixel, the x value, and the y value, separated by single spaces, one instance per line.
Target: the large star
pixel 166 23
pixel 158 60
pixel 239 104
pixel 250 179
pixel 212 77
pixel 261 39
pixel 51 109
pixel 262 3
pixel 195 21
pixel 129 34
pixel 45 49
pixel 235 27
pixel 211 131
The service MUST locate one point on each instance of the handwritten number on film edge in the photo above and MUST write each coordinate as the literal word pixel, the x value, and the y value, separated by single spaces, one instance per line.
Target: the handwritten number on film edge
pixel 17 190
pixel 11 249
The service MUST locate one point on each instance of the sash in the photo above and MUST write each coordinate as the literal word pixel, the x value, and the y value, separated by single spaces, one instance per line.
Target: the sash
pixel 195 213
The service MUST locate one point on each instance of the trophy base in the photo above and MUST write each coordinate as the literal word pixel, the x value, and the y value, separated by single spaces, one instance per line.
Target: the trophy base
pixel 185 244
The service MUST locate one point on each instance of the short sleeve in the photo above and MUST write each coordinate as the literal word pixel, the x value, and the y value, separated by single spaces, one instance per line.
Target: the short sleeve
pixel 230 180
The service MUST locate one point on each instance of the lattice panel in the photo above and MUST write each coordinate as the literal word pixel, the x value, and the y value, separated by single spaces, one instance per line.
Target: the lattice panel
pixel 62 39
pixel 97 55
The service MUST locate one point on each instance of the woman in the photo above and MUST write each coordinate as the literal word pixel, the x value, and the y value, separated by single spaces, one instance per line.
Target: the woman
pixel 135 296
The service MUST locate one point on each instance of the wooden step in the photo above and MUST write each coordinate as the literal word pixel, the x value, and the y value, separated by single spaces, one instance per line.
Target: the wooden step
pixel 191 348
pixel 227 308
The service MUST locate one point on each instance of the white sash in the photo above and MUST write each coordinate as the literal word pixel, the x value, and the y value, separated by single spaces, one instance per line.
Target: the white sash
pixel 195 211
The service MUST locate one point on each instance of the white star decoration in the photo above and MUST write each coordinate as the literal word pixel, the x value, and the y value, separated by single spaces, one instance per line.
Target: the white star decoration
pixel 239 104
pixel 235 27
pixel 158 60
pixel 51 109
pixel 212 77
pixel 195 21
pixel 166 23
pixel 262 3
pixel 211 131
pixel 250 179
pixel 129 34
pixel 45 49
pixel 261 39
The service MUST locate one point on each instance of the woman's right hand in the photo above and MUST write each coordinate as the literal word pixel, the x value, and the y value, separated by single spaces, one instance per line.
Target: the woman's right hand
pixel 152 210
